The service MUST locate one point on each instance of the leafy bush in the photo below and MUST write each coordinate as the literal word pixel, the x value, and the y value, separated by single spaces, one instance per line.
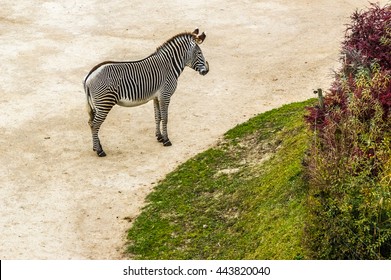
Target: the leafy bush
pixel 368 37
pixel 348 164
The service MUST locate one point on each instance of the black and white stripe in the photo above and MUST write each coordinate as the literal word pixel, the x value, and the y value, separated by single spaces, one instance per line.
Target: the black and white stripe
pixel 137 82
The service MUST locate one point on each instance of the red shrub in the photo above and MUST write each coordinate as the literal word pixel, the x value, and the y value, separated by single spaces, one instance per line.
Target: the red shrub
pixel 365 50
pixel 348 164
pixel 369 36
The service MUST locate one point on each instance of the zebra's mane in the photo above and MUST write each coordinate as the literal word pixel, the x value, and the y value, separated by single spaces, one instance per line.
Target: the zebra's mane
pixel 174 38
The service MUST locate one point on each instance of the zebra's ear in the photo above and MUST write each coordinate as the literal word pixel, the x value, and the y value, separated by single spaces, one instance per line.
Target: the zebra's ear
pixel 196 31
pixel 200 38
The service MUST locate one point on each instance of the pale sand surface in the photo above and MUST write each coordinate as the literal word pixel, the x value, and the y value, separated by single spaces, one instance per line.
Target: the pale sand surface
pixel 58 199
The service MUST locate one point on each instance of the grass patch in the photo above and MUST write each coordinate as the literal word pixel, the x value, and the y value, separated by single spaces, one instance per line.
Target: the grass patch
pixel 243 199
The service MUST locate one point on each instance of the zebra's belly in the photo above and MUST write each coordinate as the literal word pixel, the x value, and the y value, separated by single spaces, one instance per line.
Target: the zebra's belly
pixel 133 103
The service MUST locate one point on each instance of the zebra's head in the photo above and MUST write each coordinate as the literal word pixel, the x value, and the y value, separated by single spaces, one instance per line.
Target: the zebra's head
pixel 197 60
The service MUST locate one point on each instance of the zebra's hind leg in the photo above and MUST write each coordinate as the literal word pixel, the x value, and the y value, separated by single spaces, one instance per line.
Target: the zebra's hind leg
pixel 97 147
pixel 99 117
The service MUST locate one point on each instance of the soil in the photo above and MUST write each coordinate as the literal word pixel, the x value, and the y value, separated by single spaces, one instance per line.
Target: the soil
pixel 58 199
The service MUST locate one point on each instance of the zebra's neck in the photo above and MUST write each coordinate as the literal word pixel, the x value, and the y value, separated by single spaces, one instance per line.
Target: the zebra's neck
pixel 176 51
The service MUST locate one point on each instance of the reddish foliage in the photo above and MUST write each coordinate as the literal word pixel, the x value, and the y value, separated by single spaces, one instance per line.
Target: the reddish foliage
pixel 348 163
pixel 369 35
pixel 367 41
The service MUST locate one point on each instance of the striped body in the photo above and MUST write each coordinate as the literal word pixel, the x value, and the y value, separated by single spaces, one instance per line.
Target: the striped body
pixel 136 82
pixel 130 90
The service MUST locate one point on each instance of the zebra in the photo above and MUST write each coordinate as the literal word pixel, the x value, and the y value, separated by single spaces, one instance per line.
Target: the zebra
pixel 134 83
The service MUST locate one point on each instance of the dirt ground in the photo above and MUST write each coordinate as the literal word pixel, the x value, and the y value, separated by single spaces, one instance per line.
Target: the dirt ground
pixel 58 199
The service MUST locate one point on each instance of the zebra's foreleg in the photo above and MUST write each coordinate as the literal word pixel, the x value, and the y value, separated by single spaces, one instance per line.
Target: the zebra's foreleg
pixel 164 117
pixel 158 119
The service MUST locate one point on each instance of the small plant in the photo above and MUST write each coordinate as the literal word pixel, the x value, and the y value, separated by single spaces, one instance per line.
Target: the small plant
pixel 348 164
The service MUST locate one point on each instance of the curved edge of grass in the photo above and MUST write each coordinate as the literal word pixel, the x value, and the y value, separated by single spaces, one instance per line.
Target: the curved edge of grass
pixel 242 199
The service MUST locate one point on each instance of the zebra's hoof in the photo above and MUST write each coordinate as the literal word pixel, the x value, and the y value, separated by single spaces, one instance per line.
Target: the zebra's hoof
pixel 160 139
pixel 101 153
pixel 167 143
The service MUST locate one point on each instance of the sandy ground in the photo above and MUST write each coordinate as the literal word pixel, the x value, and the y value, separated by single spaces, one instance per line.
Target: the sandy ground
pixel 58 199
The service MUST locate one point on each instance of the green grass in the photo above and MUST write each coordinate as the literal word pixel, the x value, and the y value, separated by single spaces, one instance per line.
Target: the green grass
pixel 243 199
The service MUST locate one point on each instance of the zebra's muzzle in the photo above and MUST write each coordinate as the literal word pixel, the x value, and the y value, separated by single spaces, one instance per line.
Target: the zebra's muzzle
pixel 205 70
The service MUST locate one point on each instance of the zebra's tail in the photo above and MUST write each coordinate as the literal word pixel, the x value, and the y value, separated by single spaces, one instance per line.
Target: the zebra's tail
pixel 90 104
